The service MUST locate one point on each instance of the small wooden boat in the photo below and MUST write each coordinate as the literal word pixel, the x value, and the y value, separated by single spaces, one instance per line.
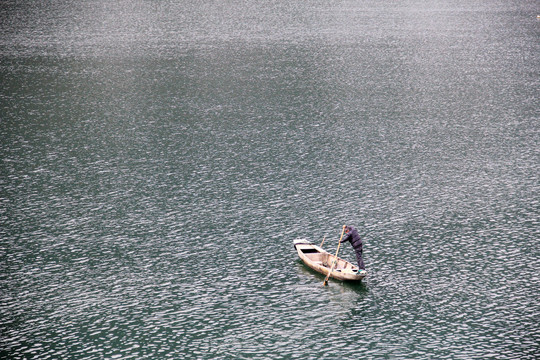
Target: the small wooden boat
pixel 321 261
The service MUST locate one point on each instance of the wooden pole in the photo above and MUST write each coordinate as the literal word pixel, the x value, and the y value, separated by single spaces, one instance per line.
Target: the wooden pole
pixel 325 283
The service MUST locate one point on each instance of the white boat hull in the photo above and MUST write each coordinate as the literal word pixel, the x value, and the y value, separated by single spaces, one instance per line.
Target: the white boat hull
pixel 321 261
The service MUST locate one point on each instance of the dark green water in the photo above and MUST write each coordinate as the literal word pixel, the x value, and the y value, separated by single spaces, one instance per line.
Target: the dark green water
pixel 159 157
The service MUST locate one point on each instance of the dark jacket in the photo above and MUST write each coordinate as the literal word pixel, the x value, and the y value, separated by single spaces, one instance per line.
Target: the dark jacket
pixel 354 238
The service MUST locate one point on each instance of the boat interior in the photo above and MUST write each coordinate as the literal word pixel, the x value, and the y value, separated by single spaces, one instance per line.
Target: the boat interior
pixel 325 259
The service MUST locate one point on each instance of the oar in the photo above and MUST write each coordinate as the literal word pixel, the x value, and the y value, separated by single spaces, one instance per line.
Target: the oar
pixel 325 283
pixel 324 237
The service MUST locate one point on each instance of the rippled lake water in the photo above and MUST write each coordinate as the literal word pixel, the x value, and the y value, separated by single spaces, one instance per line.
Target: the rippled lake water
pixel 158 158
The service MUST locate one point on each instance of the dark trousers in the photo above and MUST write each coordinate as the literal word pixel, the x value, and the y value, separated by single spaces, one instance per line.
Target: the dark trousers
pixel 360 260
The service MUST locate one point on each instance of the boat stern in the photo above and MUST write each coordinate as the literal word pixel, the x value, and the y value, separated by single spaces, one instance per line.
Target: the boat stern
pixel 301 241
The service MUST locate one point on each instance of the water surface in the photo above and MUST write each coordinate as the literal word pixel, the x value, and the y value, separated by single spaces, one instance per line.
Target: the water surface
pixel 159 158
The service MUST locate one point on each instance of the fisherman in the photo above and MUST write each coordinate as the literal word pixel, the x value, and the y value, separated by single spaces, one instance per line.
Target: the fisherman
pixel 356 242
